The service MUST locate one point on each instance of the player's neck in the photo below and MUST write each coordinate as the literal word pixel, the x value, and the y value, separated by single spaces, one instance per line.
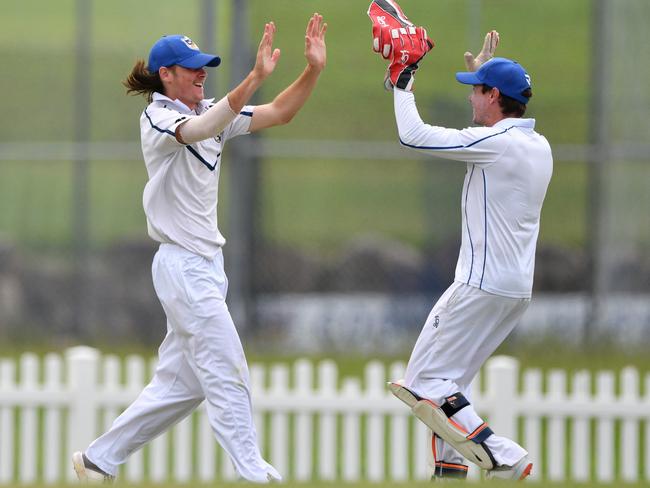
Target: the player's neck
pixel 493 119
pixel 174 95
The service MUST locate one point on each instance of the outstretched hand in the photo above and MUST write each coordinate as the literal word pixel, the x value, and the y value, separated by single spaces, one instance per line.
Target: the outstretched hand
pixel 315 49
pixel 489 47
pixel 267 57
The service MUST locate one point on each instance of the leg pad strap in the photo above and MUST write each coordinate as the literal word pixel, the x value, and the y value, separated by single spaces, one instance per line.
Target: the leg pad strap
pixel 450 470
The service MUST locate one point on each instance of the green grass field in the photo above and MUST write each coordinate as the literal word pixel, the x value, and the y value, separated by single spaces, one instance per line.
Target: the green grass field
pixel 545 355
pixel 315 204
pixel 369 485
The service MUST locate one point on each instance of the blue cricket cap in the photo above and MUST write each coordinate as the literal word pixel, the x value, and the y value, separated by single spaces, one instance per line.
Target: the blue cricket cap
pixel 508 76
pixel 180 50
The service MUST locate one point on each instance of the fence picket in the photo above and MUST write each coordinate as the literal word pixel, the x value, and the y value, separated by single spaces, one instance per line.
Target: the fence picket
pixel 158 463
pixel 7 385
pixel 135 367
pixel 303 428
pixel 580 445
pixel 257 389
pixel 351 459
pixel 111 368
pixel 630 429
pixel 328 377
pixel 206 447
pixel 605 428
pixel 398 441
pixel 375 393
pixel 280 420
pixel 556 426
pixel 532 395
pixel 28 441
pixel 158 459
pixel 53 383
pixel 475 392
pixel 228 472
pixel 421 443
pixel 646 422
pixel 182 452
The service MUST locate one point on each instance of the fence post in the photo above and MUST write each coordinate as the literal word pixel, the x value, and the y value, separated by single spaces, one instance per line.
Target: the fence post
pixel 502 375
pixel 82 365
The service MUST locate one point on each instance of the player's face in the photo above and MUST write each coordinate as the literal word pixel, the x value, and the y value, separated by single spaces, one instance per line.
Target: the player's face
pixel 480 104
pixel 186 85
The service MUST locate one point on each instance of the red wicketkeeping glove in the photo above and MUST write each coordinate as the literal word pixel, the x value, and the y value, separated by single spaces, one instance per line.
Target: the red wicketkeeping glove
pixel 410 45
pixel 385 14
pixel 396 38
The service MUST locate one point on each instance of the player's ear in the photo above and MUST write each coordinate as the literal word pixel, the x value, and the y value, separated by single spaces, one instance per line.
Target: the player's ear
pixel 494 95
pixel 165 73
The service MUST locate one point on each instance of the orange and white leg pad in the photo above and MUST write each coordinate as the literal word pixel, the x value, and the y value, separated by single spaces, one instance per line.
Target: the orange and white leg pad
pixel 470 445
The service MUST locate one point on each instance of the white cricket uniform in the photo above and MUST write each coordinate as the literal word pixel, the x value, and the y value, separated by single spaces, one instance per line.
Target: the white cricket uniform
pixel 509 167
pixel 201 357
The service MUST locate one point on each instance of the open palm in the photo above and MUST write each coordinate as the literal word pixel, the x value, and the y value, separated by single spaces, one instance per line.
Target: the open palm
pixel 267 57
pixel 315 50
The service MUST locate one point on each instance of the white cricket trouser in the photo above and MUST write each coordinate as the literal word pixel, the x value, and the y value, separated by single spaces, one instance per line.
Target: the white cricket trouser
pixel 200 358
pixel 464 328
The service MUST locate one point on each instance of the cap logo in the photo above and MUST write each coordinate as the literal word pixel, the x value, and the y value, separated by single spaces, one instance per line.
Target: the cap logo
pixel 527 78
pixel 190 43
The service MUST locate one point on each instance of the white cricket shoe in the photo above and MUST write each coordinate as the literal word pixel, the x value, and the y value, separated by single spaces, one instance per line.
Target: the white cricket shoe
pixel 520 471
pixel 88 472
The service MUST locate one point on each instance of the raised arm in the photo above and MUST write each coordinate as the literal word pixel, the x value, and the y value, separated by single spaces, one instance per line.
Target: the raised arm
pixel 265 63
pixel 214 120
pixel 287 104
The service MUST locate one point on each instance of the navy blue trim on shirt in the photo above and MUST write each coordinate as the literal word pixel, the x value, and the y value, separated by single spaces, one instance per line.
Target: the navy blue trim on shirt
pixel 196 154
pixel 485 243
pixel 164 131
pixel 436 148
pixel 211 167
pixel 247 114
pixel 469 234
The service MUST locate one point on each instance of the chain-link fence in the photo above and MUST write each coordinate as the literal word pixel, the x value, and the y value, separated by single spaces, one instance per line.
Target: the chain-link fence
pixel 330 224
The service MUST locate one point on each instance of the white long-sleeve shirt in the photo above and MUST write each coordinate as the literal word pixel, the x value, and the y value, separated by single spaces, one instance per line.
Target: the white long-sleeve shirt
pixel 509 167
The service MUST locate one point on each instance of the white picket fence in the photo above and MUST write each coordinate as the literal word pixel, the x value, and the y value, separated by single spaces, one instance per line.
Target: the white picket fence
pixel 313 426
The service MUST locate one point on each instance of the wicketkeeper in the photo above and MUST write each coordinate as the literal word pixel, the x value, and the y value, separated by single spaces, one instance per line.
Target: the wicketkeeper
pixel 509 167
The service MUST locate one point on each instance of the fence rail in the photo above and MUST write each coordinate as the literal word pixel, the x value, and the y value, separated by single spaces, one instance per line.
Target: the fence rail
pixel 285 148
pixel 314 425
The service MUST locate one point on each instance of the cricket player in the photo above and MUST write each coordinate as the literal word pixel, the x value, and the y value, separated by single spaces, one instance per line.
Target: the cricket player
pixel 201 358
pixel 509 167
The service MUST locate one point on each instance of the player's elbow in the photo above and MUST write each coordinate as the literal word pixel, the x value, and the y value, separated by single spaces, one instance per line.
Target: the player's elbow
pixel 281 116
pixel 407 137
pixel 285 117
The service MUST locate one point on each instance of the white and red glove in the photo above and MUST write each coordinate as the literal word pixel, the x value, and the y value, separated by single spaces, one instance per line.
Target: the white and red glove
pixel 385 16
pixel 396 38
pixel 408 48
